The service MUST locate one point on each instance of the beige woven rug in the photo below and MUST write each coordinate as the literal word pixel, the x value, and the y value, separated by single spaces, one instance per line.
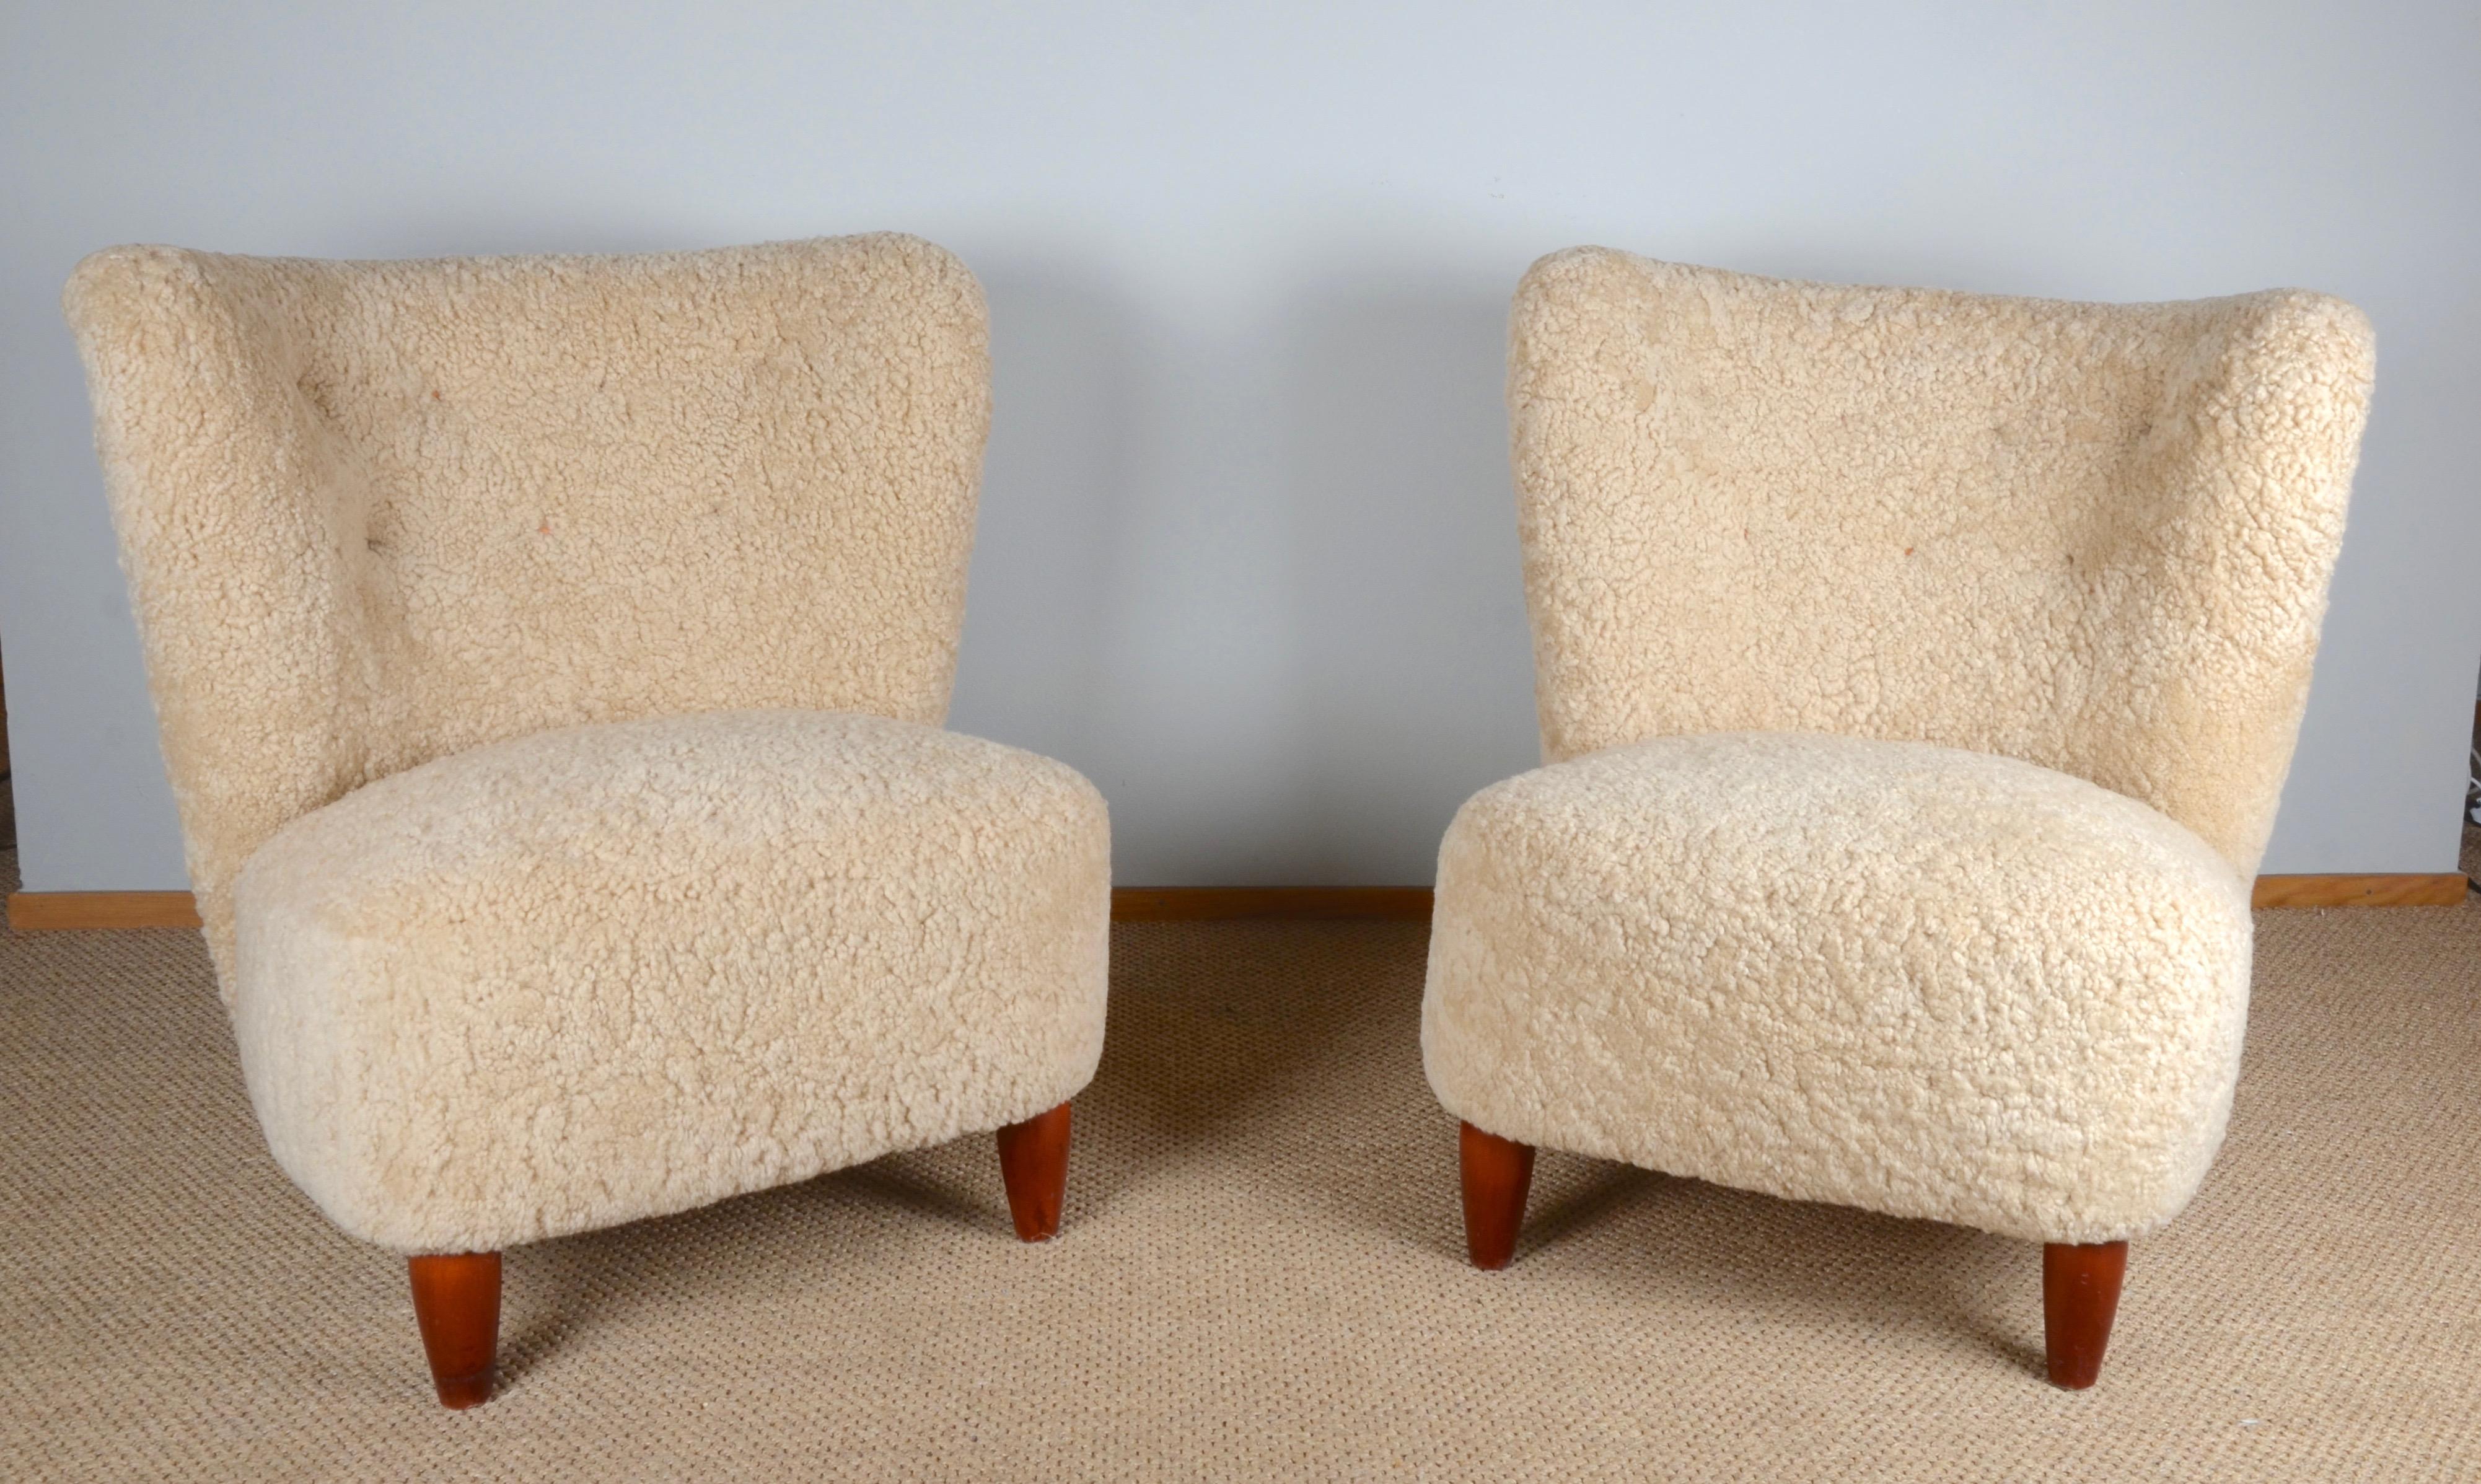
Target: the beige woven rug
pixel 1260 1275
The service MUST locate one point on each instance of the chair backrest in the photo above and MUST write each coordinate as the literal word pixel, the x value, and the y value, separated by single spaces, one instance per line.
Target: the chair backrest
pixel 372 513
pixel 2096 537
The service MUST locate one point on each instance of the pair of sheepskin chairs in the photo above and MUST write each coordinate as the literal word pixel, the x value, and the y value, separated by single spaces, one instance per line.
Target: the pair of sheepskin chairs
pixel 550 656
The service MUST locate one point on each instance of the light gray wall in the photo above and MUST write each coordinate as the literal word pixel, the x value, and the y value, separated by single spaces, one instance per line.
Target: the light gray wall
pixel 1247 551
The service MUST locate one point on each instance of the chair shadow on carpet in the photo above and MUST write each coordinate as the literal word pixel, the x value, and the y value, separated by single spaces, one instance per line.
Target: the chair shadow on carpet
pixel 1197 1066
pixel 1184 1069
pixel 562 1293
pixel 1656 1241
pixel 1346 1076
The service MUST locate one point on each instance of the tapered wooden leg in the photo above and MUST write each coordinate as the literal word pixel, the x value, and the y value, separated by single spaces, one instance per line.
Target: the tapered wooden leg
pixel 1033 1162
pixel 2079 1298
pixel 456 1302
pixel 1497 1173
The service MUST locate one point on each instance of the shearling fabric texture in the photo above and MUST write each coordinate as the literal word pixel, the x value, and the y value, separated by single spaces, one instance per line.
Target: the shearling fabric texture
pixel 1926 981
pixel 613 970
pixel 1261 1274
pixel 549 654
pixel 1918 672
pixel 375 514
pixel 2091 536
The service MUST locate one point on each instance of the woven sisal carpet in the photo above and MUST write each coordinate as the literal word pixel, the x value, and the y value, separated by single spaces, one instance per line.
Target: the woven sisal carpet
pixel 1260 1275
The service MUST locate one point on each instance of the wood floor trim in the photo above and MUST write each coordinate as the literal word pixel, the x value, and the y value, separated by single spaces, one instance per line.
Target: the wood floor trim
pixel 1193 904
pixel 2442 890
pixel 47 911
pixel 52 911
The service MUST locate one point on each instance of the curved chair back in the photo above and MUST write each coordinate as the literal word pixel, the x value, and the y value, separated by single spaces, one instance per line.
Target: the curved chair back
pixel 2094 537
pixel 373 513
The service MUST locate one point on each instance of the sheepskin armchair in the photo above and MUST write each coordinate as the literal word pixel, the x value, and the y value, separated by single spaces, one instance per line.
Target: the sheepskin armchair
pixel 550 655
pixel 1918 672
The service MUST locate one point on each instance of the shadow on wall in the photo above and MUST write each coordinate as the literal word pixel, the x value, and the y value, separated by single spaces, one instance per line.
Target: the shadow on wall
pixel 8 803
pixel 1054 511
pixel 1416 667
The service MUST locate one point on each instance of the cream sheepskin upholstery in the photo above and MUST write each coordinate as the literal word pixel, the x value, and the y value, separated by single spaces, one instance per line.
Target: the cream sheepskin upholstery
pixel 1918 672
pixel 609 971
pixel 1892 975
pixel 548 654
pixel 375 513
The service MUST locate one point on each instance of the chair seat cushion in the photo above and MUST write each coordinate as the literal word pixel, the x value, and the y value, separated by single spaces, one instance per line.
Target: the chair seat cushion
pixel 610 971
pixel 1887 975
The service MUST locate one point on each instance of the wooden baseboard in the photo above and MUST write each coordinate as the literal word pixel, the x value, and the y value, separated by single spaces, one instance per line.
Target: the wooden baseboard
pixel 2443 890
pixel 1192 903
pixel 42 911
pixel 47 911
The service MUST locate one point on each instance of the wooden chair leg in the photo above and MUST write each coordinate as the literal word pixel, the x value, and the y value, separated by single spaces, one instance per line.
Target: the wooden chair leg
pixel 457 1302
pixel 1497 1173
pixel 1033 1164
pixel 2079 1298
